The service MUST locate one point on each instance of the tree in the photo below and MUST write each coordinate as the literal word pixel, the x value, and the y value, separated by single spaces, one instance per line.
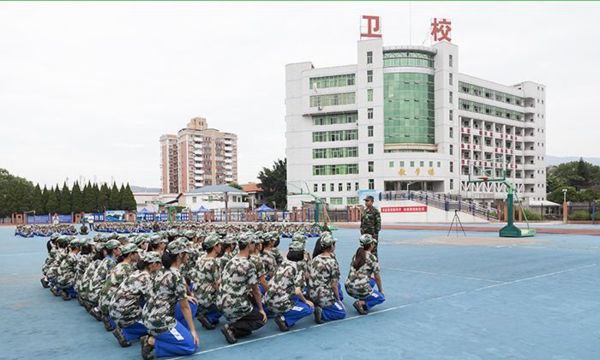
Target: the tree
pixel 128 200
pixel 114 199
pixel 52 204
pixel 89 201
pixel 15 194
pixel 36 200
pixel 233 184
pixel 44 209
pixel 64 200
pixel 76 198
pixel 96 198
pixel 273 183
pixel 578 174
pixel 103 196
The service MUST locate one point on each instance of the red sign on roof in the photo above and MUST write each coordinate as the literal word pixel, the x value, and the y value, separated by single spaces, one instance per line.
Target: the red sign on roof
pixel 370 26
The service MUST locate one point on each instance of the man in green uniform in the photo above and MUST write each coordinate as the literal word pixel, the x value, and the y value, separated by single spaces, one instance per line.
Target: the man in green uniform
pixel 370 222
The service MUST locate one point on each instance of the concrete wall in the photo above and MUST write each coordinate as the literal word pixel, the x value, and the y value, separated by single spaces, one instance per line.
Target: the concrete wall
pixel 432 215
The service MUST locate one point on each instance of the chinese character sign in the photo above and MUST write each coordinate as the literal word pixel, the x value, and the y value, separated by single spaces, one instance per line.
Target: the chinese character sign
pixel 440 29
pixel 370 26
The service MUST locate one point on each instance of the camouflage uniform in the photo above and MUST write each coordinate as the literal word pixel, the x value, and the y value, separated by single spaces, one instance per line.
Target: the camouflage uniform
pixel 84 285
pixel 50 259
pixel 65 274
pixel 82 264
pixel 158 314
pixel 277 255
pixel 120 272
pixel 60 255
pixel 323 271
pixel 283 286
pixel 125 305
pixel 208 276
pixel 357 284
pixel 100 275
pixel 269 263
pixel 370 223
pixel 239 276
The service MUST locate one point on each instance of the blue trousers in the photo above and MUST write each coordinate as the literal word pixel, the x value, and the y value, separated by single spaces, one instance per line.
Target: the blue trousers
pixel 375 298
pixel 334 312
pixel 299 311
pixel 71 291
pixel 173 342
pixel 179 314
pixel 340 291
pixel 135 331
pixel 212 314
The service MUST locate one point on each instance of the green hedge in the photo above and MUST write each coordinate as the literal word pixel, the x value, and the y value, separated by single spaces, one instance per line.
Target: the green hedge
pixel 580 215
pixel 532 216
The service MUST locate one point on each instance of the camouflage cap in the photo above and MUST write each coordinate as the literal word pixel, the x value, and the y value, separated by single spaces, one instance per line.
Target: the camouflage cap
pixel 123 238
pixel 63 240
pixel 366 239
pixel 200 234
pixel 296 246
pixel 190 234
pixel 75 242
pixel 112 244
pixel 157 239
pixel 138 240
pixel 151 257
pixel 327 241
pixel 99 246
pixel 178 246
pixel 128 248
pixel 298 236
pixel 231 239
pixel 54 236
pixel 212 240
pixel 113 235
pixel 245 238
pixel 173 232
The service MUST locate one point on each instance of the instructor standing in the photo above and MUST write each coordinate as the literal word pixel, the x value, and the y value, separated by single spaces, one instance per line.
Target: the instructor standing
pixel 370 222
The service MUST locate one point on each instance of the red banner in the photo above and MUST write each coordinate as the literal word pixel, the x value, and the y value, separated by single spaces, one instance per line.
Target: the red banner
pixel 404 209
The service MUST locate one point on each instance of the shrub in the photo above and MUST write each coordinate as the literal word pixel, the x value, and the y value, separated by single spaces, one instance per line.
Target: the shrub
pixel 580 215
pixel 531 215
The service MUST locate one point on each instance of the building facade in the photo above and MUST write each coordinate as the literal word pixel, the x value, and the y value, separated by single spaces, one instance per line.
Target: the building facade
pixel 405 117
pixel 202 156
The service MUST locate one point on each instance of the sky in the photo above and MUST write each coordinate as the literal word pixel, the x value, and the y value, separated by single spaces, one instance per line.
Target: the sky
pixel 86 89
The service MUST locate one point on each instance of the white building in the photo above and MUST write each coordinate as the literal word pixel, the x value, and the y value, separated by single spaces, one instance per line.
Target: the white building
pixel 405 116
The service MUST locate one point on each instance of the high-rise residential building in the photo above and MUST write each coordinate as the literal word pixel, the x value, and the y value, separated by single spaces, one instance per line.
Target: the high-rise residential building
pixel 202 156
pixel 405 117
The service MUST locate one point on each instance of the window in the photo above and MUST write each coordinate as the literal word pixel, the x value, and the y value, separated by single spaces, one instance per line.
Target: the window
pixel 338 135
pixel 451 115
pixel 331 81
pixel 412 164
pixel 401 163
pixel 369 94
pixel 370 149
pixel 431 164
pixel 371 184
pixel 331 187
pixel 369 57
pixel 370 166
pixel 337 169
pixel 450 150
pixel 450 60
pixel 391 164
pixel 401 58
pixel 194 199
pixel 370 131
pixel 439 164
pixel 332 99
pixel 340 187
pixel 315 187
pixel 338 152
pixel 369 113
pixel 451 184
pixel 450 79
pixel 451 132
pixel 333 119
pixel 356 186
pixel 369 76
pixel 336 201
pixel 348 186
pixel 353 200
pixel 450 97
pixel 451 166
pixel 421 163
pixel 323 187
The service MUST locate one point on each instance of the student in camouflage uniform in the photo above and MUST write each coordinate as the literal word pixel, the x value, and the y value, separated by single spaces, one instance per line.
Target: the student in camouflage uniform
pixel 229 246
pixel 284 296
pixel 370 222
pixel 61 254
pixel 299 241
pixel 267 256
pixel 207 281
pixel 168 336
pixel 275 235
pixel 157 243
pixel 240 299
pixel 127 302
pixel 364 274
pixel 84 285
pixel 118 274
pixel 111 251
pixel 52 251
pixel 195 251
pixel 323 283
pixel 85 258
pixel 66 272
pixel 257 260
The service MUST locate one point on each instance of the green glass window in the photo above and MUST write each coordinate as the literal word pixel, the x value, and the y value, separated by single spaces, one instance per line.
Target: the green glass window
pixel 471 89
pixel 352 200
pixel 331 81
pixel 408 108
pixel 369 94
pixel 490 110
pixel 407 58
pixel 332 99
pixel 337 169
pixel 336 201
pixel 334 119
pixel 338 135
pixel 341 152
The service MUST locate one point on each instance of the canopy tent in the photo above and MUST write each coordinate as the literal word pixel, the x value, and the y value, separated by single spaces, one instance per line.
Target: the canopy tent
pixel 202 209
pixel 264 208
pixel 144 211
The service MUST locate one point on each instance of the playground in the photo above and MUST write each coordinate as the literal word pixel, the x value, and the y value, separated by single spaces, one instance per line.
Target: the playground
pixel 447 298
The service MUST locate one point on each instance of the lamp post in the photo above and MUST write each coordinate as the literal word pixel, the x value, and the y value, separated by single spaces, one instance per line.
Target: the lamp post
pixel 565 209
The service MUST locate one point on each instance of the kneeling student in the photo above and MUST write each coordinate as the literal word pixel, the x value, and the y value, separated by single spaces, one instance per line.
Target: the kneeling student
pixel 364 274
pixel 284 296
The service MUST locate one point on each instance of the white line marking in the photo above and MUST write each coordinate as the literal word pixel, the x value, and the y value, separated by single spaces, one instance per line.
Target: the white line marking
pixel 442 274
pixel 441 297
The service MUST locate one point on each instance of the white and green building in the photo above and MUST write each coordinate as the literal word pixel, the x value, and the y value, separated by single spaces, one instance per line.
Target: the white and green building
pixel 404 116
